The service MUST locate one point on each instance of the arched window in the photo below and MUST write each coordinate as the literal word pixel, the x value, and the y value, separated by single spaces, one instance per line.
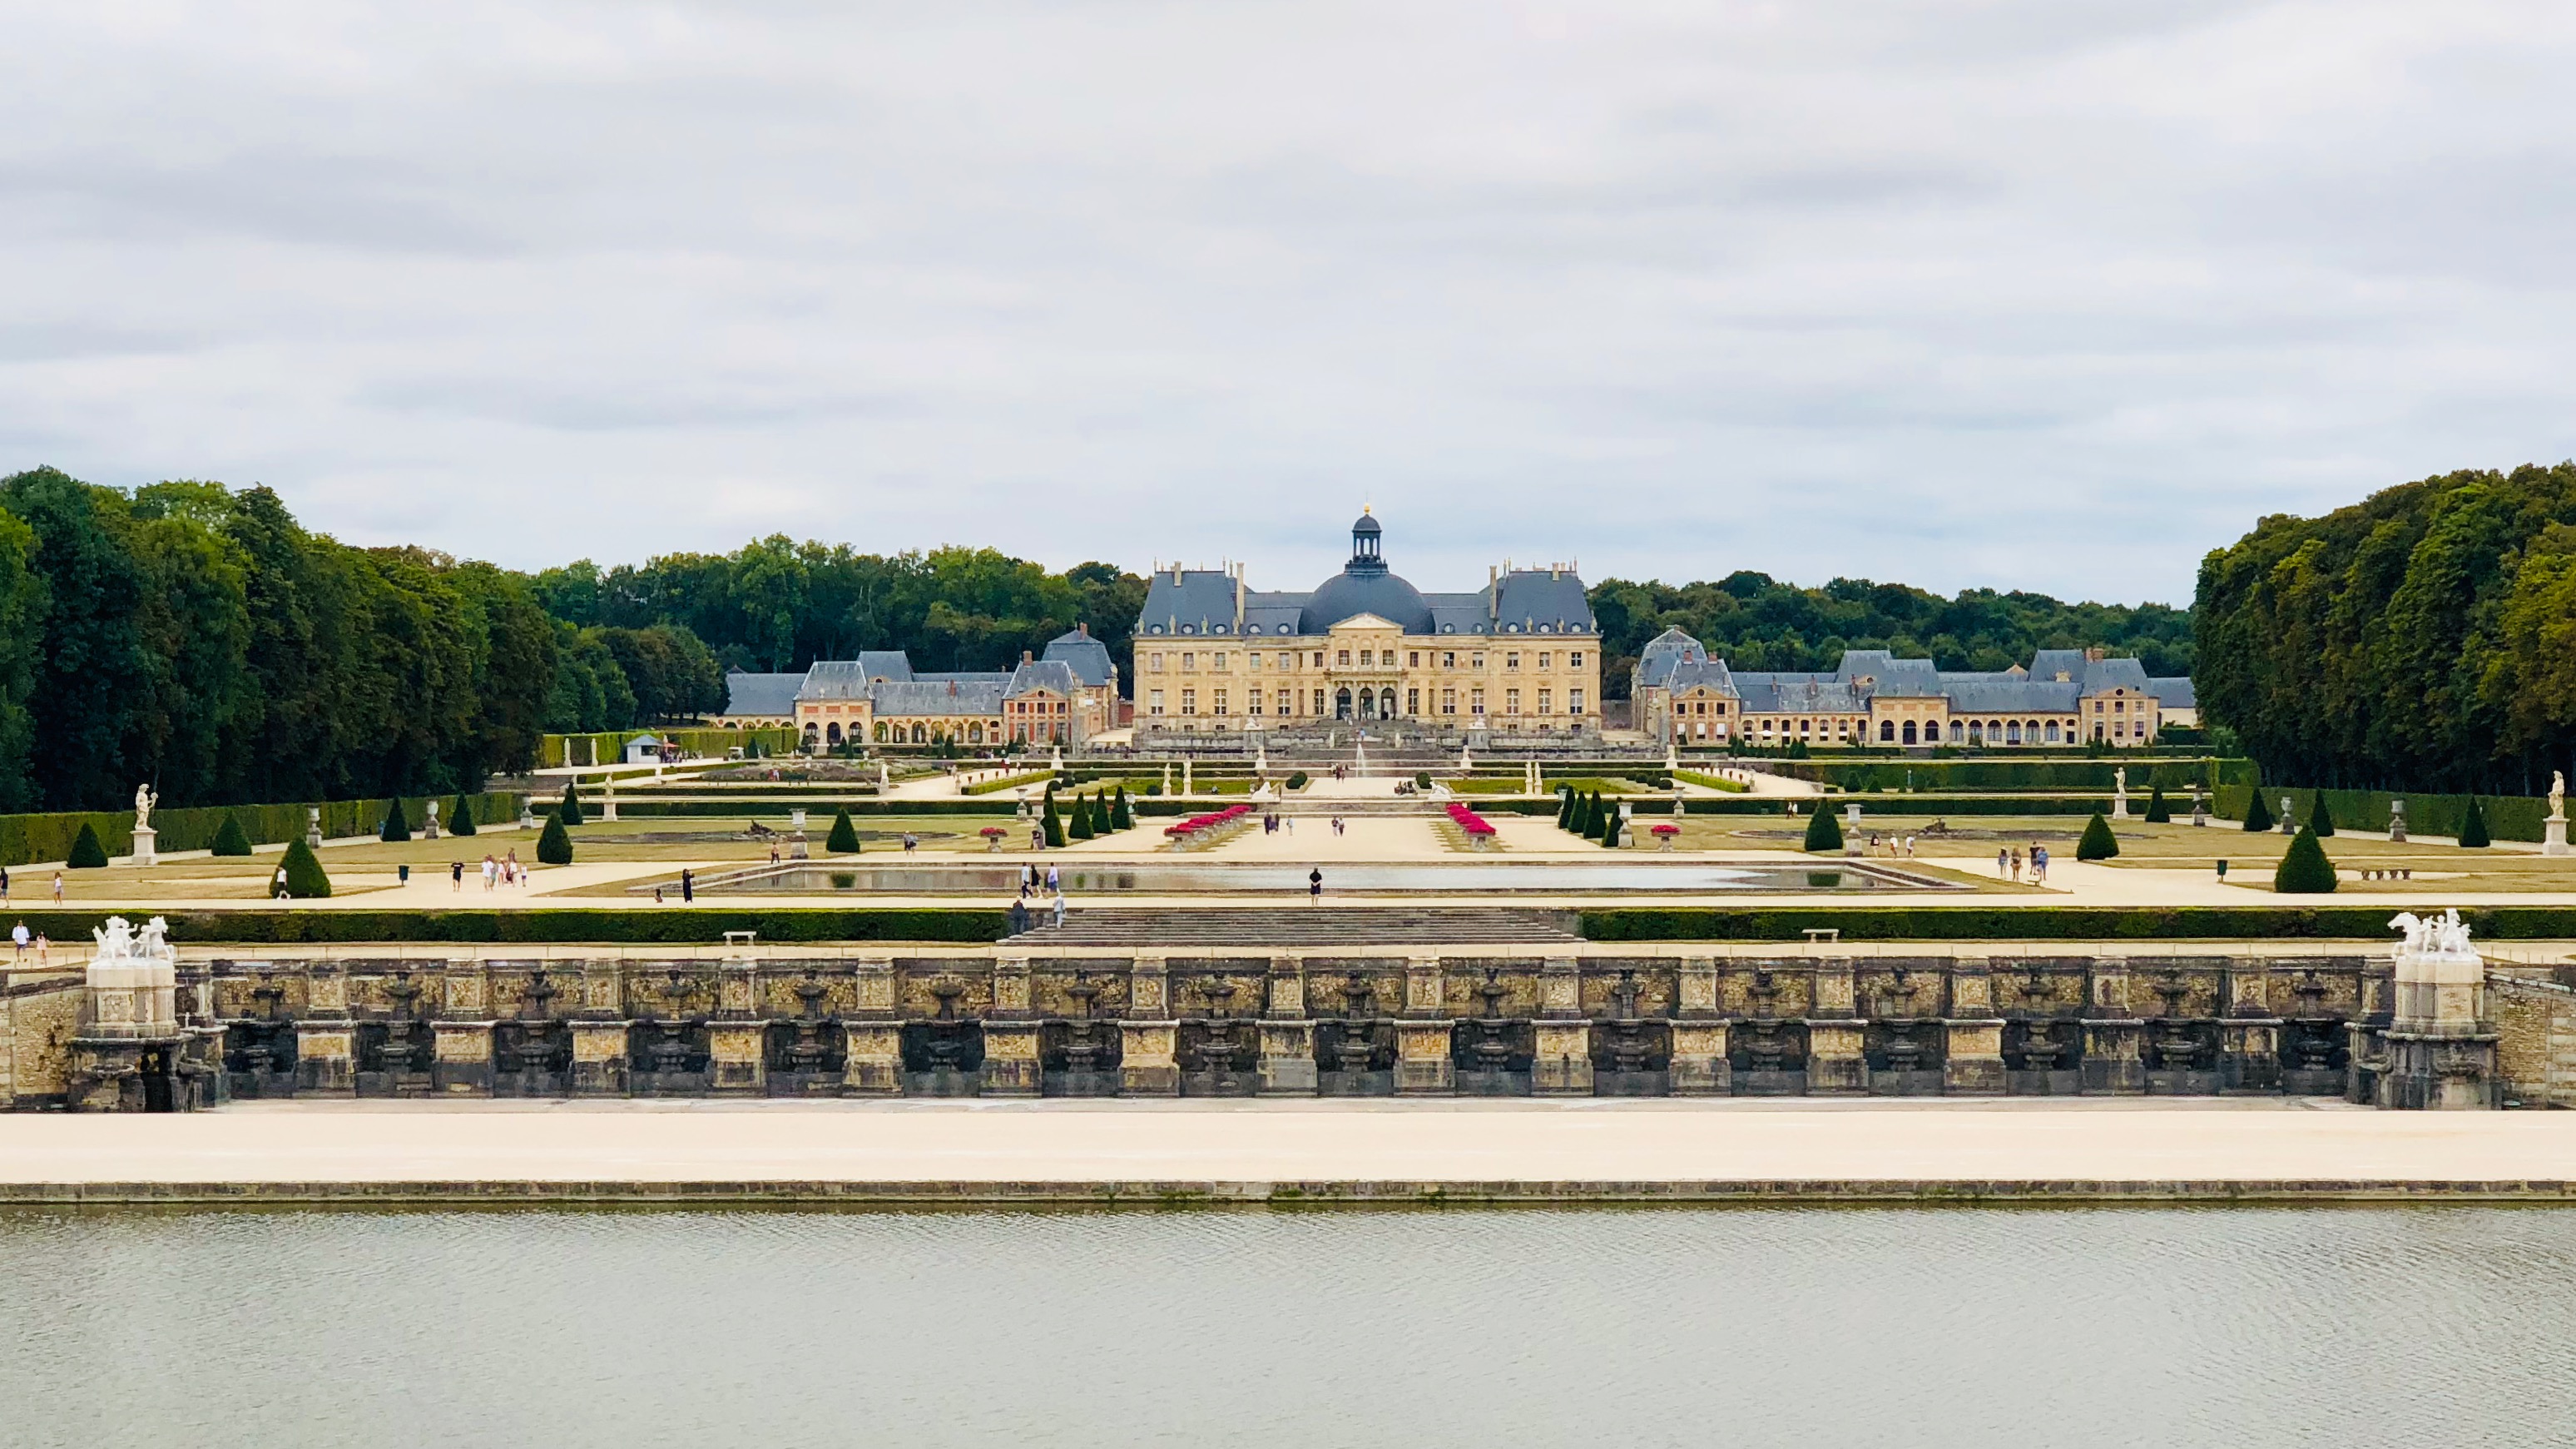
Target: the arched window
pixel 2052 732
pixel 1342 704
pixel 975 732
pixel 920 733
pixel 1887 732
pixel 1956 735
pixel 1386 704
pixel 1909 732
pixel 832 732
pixel 1976 731
pixel 2012 732
pixel 812 736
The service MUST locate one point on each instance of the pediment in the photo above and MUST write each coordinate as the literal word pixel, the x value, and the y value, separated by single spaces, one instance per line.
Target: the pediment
pixel 1364 621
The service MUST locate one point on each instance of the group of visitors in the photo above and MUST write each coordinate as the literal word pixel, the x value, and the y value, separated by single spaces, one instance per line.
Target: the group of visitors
pixel 688 887
pixel 2010 862
pixel 43 948
pixel 497 872
pixel 1894 845
pixel 4 886
pixel 1274 822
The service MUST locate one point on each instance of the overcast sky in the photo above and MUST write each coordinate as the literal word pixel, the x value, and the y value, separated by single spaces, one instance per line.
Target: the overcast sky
pixel 2054 295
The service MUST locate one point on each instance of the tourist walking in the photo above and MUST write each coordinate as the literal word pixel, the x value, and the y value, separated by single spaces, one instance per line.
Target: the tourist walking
pixel 278 886
pixel 2016 863
pixel 2038 863
pixel 1055 883
pixel 910 842
pixel 19 938
pixel 1020 915
pixel 58 884
pixel 491 870
pixel 456 875
pixel 1059 910
pixel 517 874
pixel 688 887
pixel 2003 863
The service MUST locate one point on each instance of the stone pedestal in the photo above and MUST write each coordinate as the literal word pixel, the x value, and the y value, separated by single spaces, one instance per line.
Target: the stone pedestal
pixel 146 842
pixel 1146 1063
pixel 599 1058
pixel 326 1059
pixel 2397 821
pixel 2114 1062
pixel 737 1062
pixel 2249 1057
pixel 1700 1067
pixel 2441 1043
pixel 1010 1058
pixel 313 826
pixel 462 1066
pixel 1561 1060
pixel 1422 1063
pixel 1972 1062
pixel 2553 835
pixel 1836 1065
pixel 1288 1059
pixel 874 1065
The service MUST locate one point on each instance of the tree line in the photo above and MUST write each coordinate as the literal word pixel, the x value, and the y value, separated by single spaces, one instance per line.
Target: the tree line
pixel 1755 622
pixel 2424 638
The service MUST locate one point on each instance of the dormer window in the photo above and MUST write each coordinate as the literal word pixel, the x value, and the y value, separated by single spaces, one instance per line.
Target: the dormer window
pixel 1223 628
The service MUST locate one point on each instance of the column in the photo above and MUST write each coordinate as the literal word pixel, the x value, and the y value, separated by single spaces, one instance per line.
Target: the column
pixel 326 1041
pixel 1973 1057
pixel 2112 1063
pixel 1011 1065
pixel 1700 1067
pixel 1287 1035
pixel 1423 1066
pixel 1150 1036
pixel 1836 1066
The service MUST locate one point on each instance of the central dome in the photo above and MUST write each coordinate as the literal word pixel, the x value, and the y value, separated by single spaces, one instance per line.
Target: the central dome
pixel 1365 587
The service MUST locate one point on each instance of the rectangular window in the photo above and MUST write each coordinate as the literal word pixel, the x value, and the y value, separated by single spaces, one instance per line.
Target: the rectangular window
pixel 1342 657
pixel 1319 699
pixel 1154 699
pixel 1287 701
pixel 1189 661
pixel 1542 659
pixel 1574 659
pixel 1511 661
pixel 1252 661
pixel 1413 659
pixel 1220 701
pixel 1543 701
pixel 1476 661
pixel 1448 701
pixel 1475 701
pixel 1413 701
pixel 1252 702
pixel 1366 658
pixel 1189 701
pixel 1511 701
pixel 1319 659
pixel 1574 701
pixel 1449 659
pixel 1222 659
pixel 1157 665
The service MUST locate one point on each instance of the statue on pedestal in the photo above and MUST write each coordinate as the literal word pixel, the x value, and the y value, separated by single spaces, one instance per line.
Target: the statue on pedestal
pixel 2120 793
pixel 2557 794
pixel 144 800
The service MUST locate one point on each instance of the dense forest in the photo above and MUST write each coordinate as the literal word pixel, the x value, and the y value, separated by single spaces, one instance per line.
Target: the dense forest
pixel 196 636
pixel 1755 622
pixel 2424 638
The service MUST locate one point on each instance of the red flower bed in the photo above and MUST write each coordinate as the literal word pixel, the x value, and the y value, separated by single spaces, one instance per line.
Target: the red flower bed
pixel 1198 823
pixel 1468 820
pixel 1668 830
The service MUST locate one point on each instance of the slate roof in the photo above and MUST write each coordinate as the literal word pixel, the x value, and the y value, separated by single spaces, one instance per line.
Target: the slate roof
pixel 1196 603
pixel 753 696
pixel 1052 674
pixel 964 694
pixel 2173 691
pixel 1087 657
pixel 837 679
pixel 1674 660
pixel 1664 653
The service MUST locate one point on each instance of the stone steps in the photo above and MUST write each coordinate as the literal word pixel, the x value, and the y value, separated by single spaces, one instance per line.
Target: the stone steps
pixel 1298 923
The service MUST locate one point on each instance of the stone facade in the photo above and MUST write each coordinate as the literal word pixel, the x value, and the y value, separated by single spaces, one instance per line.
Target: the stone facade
pixel 1521 656
pixel 1576 1020
pixel 1065 698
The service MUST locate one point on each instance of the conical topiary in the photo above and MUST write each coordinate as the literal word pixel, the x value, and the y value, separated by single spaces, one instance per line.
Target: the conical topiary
pixel 570 814
pixel 230 838
pixel 2321 819
pixel 460 816
pixel 304 877
pixel 1080 826
pixel 2098 842
pixel 1100 821
pixel 1564 806
pixel 1612 827
pixel 397 826
pixel 2258 816
pixel 554 843
pixel 844 839
pixel 2158 812
pixel 87 853
pixel 1120 817
pixel 2473 827
pixel 1054 823
pixel 1594 813
pixel 1824 832
pixel 2305 871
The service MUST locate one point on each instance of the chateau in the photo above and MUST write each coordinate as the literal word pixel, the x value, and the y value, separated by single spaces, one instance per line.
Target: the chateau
pixel 1064 698
pixel 2066 696
pixel 1521 654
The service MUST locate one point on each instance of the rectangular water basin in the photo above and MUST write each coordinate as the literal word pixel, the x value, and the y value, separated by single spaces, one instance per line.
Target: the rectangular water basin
pixel 1461 878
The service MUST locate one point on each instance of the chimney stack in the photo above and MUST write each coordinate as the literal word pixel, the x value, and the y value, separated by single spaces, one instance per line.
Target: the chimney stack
pixel 1025 656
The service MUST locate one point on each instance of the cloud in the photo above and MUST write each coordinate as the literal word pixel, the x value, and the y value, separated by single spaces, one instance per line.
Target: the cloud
pixel 2039 295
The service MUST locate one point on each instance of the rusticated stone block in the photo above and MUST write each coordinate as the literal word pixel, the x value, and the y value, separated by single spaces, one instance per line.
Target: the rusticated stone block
pixel 1011 1056
pixel 1561 1061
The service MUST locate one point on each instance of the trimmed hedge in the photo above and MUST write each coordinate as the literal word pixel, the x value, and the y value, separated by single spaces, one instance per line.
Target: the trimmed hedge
pixel 2092 773
pixel 2507 817
pixel 767 806
pixel 2368 924
pixel 665 925
pixel 1007 782
pixel 610 745
pixel 27 838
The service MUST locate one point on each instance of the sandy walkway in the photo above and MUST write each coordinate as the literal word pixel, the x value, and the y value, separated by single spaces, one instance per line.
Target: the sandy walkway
pixel 1270 1142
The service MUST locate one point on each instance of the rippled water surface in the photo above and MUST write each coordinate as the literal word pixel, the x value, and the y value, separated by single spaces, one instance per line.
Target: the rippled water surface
pixel 1229 878
pixel 2350 1328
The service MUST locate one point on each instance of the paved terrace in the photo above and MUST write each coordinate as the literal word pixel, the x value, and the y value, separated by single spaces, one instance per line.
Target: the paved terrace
pixel 1073 1152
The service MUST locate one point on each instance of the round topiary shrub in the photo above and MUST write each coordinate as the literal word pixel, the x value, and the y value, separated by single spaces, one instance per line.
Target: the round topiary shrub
pixel 397 826
pixel 2098 842
pixel 1824 832
pixel 554 843
pixel 2305 871
pixel 460 816
pixel 304 877
pixel 87 853
pixel 844 839
pixel 230 838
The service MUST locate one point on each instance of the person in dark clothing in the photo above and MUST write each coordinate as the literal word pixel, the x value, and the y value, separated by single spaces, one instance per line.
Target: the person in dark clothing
pixel 1315 884
pixel 688 886
pixel 1020 916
